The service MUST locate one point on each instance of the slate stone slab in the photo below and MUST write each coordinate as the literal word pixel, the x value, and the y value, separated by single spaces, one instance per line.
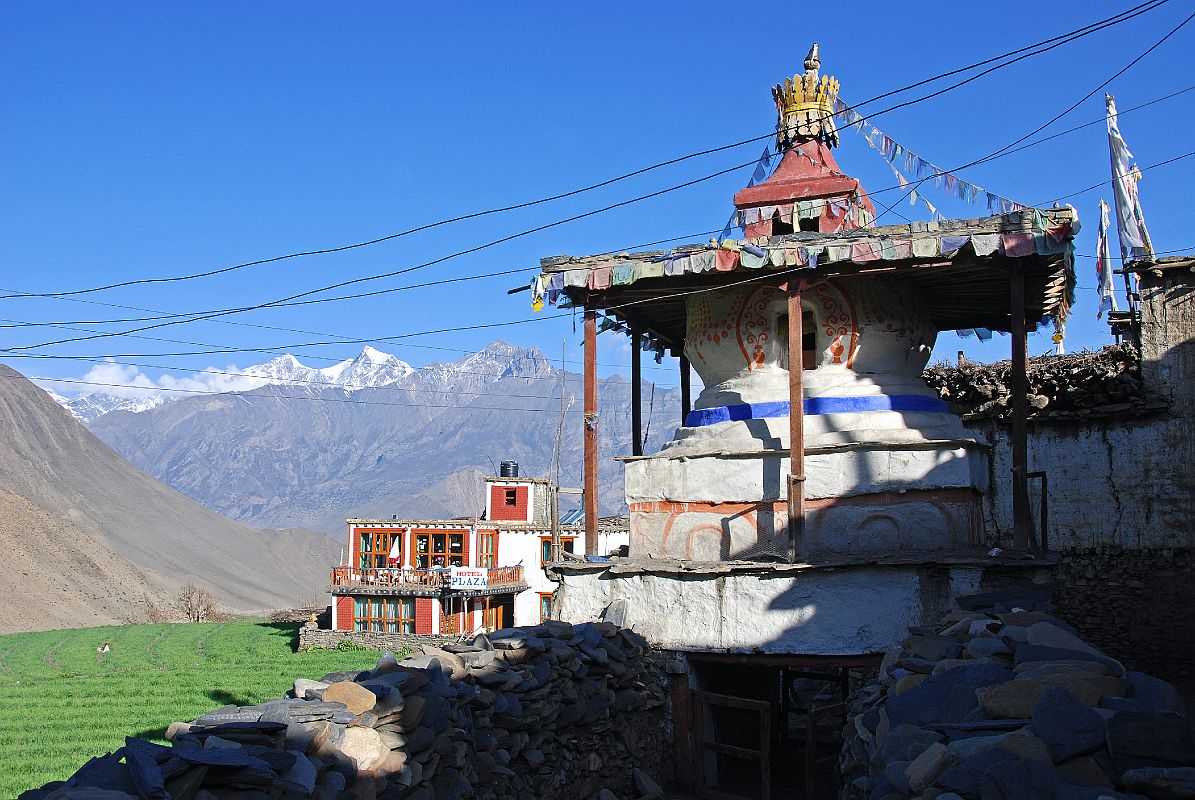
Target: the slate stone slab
pixel 1070 728
pixel 924 703
pixel 1139 740
pixel 1036 652
pixel 1154 692
pixel 1020 780
pixel 1176 783
pixel 965 777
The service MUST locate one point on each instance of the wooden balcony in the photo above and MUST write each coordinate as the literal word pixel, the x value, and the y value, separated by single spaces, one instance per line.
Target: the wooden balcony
pixel 398 581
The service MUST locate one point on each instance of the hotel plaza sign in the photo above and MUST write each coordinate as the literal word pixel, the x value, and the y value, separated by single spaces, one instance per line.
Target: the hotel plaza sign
pixel 468 578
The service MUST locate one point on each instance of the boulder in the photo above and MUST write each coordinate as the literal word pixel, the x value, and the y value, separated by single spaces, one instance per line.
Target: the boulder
pixel 1138 739
pixel 1068 726
pixel 925 768
pixel 1163 783
pixel 1016 699
pixel 354 696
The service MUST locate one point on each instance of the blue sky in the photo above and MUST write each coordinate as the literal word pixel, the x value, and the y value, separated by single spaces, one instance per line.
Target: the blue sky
pixel 157 139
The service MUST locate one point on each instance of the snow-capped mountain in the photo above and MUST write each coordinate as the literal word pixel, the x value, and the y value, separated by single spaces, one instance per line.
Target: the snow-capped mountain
pixel 86 407
pixel 371 368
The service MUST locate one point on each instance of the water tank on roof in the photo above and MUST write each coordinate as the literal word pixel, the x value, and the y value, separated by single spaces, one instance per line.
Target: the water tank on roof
pixel 508 469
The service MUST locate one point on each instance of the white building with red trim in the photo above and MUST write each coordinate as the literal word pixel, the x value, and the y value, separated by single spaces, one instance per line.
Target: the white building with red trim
pixel 457 576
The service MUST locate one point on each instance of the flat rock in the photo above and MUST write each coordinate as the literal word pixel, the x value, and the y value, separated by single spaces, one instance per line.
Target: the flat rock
pixel 355 697
pixel 1138 740
pixel 1028 653
pixel 1068 726
pixel 1155 693
pixel 1020 780
pixel 894 771
pixel 364 746
pixel 1085 771
pixel 906 742
pixel 303 685
pixel 965 777
pixel 907 682
pixel 982 646
pixel 925 768
pixel 923 704
pixel 1016 699
pixel 1173 783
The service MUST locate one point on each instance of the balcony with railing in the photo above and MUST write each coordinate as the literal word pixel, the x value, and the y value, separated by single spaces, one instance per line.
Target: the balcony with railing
pixel 398 580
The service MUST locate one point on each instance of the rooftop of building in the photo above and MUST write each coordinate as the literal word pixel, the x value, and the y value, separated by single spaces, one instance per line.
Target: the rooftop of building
pixel 961 268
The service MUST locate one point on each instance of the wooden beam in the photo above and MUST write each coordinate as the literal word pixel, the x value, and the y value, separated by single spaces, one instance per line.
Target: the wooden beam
pixel 636 393
pixel 796 422
pixel 1021 522
pixel 591 433
pixel 686 402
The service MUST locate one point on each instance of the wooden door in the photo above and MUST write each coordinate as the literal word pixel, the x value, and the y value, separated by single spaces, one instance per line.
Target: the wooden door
pixel 709 741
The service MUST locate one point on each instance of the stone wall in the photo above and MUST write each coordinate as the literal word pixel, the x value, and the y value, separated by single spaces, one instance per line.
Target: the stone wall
pixel 552 711
pixel 312 637
pixel 1135 604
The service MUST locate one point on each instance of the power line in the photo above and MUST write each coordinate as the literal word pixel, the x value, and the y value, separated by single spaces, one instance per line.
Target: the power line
pixel 1055 118
pixel 1020 54
pixel 164 315
pixel 507 323
pixel 352 281
pixel 1116 177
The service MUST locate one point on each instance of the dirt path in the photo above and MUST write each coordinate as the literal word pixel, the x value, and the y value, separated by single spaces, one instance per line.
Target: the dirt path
pixel 48 656
pixel 153 654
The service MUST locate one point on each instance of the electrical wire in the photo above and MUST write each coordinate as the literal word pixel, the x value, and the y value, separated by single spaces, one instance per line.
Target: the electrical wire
pixel 1020 54
pixel 159 315
pixel 1053 119
pixel 464 328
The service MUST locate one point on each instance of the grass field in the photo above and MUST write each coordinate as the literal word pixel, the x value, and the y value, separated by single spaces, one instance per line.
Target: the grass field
pixel 61 702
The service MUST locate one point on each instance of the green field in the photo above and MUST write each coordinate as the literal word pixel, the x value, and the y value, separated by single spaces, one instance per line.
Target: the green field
pixel 61 702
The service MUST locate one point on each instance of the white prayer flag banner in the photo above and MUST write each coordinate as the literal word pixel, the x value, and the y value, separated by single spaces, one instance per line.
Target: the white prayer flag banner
pixel 1130 219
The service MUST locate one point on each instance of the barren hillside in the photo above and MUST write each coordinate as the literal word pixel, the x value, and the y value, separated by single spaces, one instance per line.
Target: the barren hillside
pixel 86 533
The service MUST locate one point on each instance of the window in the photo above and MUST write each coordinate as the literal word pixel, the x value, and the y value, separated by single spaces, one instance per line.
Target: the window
pixel 384 614
pixel 545 547
pixel 444 549
pixel 374 547
pixel 545 606
pixel 808 338
pixel 487 546
pixel 512 497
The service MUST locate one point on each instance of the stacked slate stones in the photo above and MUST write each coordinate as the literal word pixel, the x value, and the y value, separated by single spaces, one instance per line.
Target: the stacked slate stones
pixel 548 711
pixel 1013 705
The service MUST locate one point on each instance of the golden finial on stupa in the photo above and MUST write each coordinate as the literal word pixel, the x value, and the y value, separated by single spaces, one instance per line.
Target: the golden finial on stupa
pixel 805 105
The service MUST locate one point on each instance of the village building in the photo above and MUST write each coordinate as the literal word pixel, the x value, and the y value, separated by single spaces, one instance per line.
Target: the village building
pixel 459 576
pixel 818 498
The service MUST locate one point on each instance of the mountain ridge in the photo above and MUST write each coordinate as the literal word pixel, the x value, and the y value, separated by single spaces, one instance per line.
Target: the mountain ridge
pixel 276 457
pixel 87 534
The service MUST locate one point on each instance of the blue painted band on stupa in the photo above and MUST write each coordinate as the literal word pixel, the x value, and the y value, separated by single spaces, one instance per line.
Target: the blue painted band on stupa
pixel 817 405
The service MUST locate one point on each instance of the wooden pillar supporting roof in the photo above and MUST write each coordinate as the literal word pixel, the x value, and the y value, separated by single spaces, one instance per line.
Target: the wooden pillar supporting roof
pixel 796 421
pixel 636 393
pixel 1021 522
pixel 591 433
